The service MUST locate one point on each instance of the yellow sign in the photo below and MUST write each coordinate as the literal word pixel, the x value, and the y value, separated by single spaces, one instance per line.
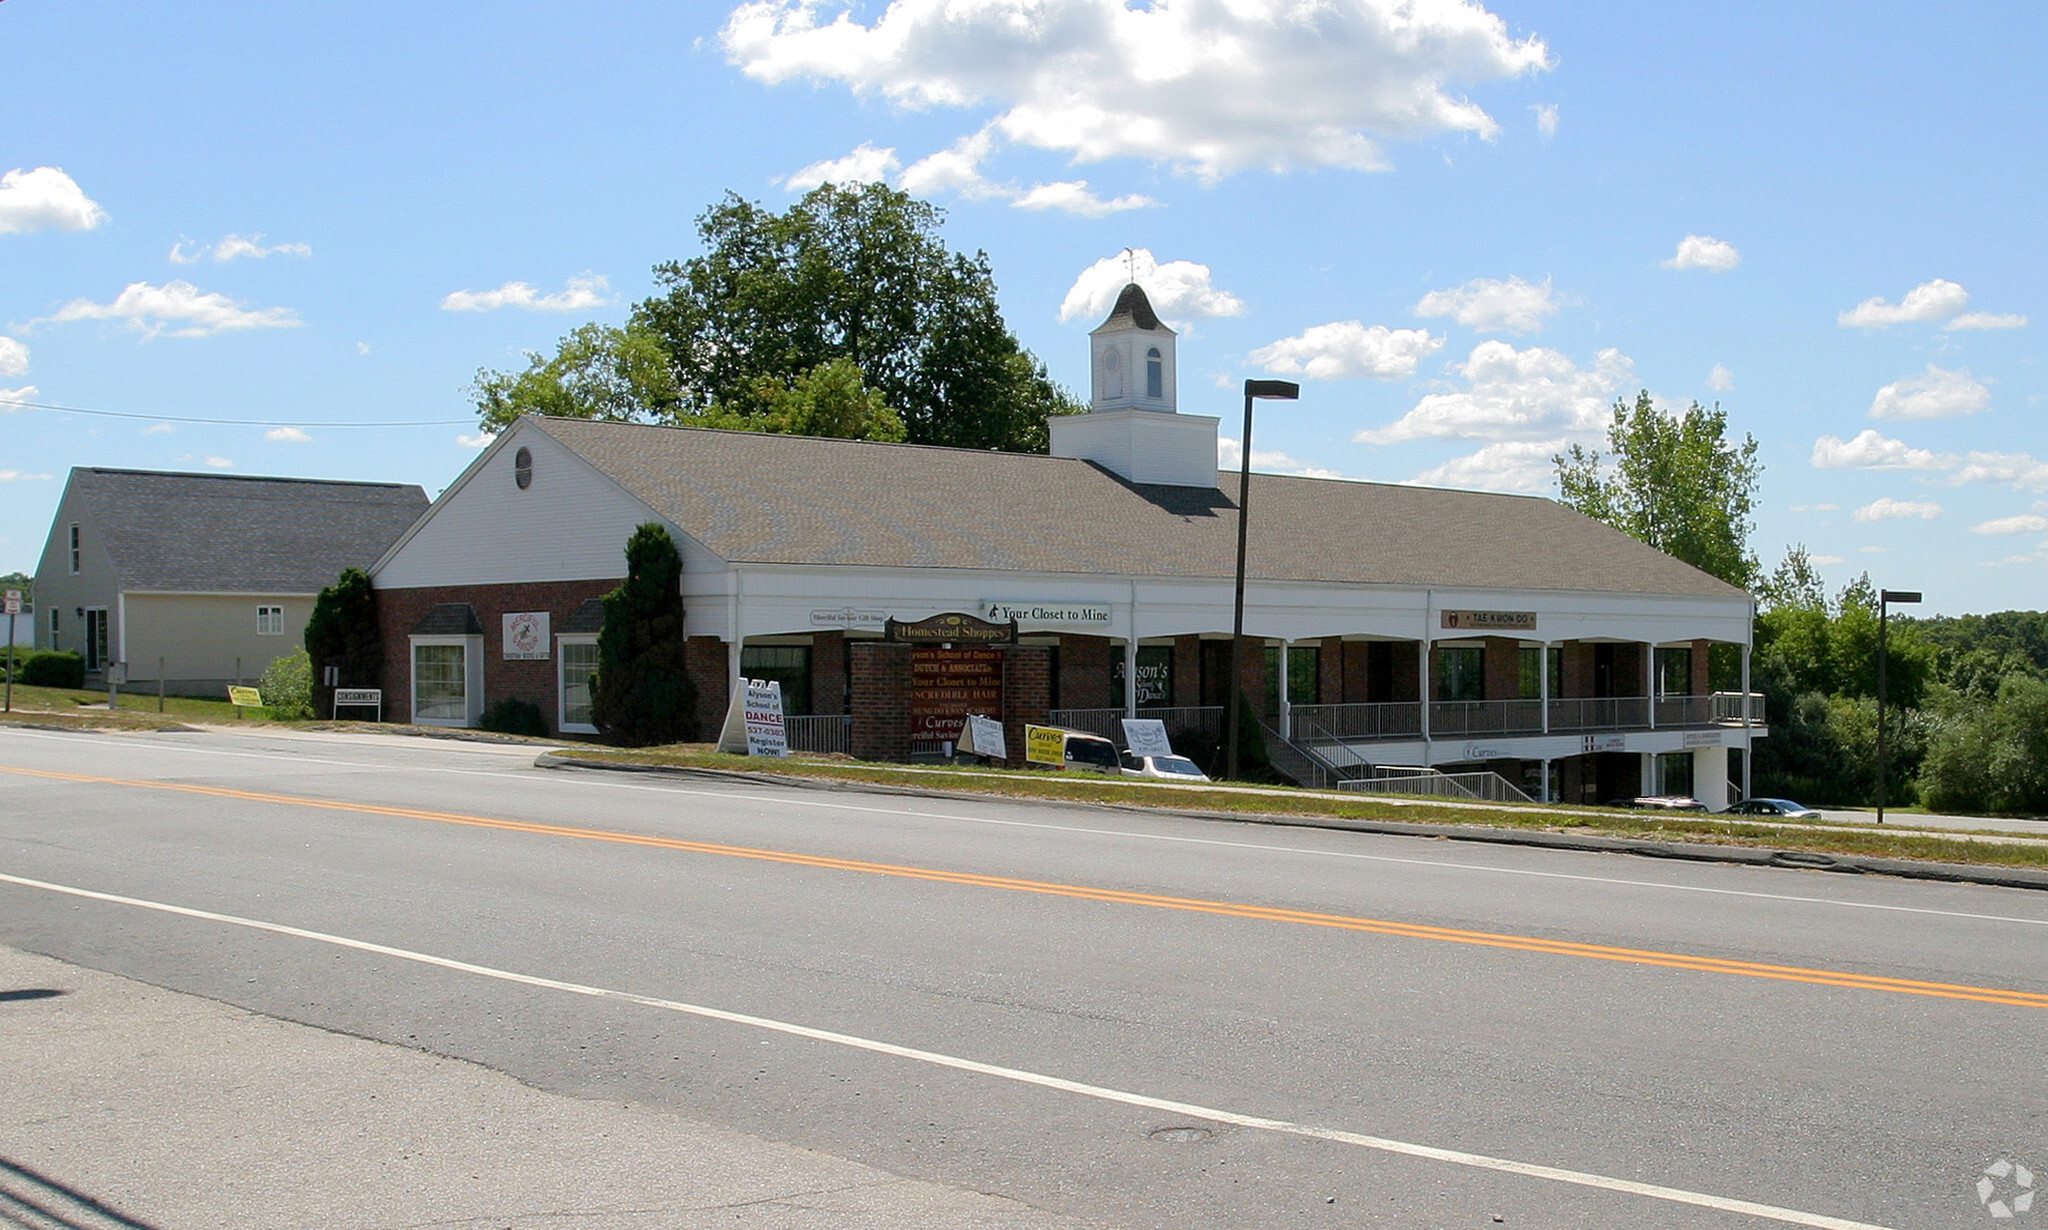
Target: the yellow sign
pixel 244 698
pixel 1045 745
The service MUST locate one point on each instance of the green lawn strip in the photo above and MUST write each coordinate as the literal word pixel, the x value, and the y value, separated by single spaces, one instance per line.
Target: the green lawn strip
pixel 69 703
pixel 1872 843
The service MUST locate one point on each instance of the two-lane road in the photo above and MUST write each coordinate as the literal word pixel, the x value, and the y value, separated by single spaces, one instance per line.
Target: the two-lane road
pixel 1143 1020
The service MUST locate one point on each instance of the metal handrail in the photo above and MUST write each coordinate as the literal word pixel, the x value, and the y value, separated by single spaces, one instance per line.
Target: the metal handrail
pixel 1457 718
pixel 819 733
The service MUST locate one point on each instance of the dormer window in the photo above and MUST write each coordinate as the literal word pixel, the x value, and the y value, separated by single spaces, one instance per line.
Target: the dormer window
pixel 1155 375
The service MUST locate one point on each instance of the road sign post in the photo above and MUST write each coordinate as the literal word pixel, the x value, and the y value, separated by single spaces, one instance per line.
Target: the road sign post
pixel 13 607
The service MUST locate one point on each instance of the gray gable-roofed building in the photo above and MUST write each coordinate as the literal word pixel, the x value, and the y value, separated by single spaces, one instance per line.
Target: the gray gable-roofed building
pixel 202 579
pixel 1388 624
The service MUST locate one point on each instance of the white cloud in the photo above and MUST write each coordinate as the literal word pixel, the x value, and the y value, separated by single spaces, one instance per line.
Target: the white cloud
pixel 2025 523
pixel 362 347
pixel 1348 349
pixel 176 309
pixel 865 165
pixel 2012 469
pixel 16 476
pixel 287 435
pixel 234 247
pixel 1533 394
pixel 220 463
pixel 1720 379
pixel 1935 300
pixel 1230 456
pixel 584 291
pixel 1885 508
pixel 1825 561
pixel 1874 550
pixel 1704 252
pixel 1800 508
pixel 1985 320
pixel 159 429
pixel 1073 196
pixel 1873 451
pixel 1546 119
pixel 481 439
pixel 1491 305
pixel 1936 393
pixel 13 358
pixel 1179 290
pixel 1509 465
pixel 10 396
pixel 955 169
pixel 45 199
pixel 1213 87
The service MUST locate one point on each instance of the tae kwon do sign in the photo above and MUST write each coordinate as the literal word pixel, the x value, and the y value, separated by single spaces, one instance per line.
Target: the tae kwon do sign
pixel 1487 621
pixel 948 684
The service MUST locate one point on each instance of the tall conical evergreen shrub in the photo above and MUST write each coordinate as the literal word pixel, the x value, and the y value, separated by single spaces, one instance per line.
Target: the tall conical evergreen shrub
pixel 642 694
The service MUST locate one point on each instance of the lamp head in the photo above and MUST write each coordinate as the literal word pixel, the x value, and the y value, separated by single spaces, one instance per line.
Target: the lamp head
pixel 1272 390
pixel 1905 597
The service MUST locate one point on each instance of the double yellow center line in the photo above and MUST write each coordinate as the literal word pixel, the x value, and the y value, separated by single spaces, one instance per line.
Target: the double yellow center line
pixel 1228 909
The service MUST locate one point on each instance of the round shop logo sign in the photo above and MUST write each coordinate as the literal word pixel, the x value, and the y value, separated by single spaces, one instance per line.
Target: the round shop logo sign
pixel 2005 1189
pixel 525 634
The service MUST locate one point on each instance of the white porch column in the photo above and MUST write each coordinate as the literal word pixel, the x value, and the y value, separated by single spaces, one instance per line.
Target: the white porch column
pixel 1543 674
pixel 1543 790
pixel 1286 710
pixel 1650 681
pixel 1649 773
pixel 1710 776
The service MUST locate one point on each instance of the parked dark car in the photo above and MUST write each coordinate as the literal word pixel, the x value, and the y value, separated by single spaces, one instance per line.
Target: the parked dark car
pixel 1782 808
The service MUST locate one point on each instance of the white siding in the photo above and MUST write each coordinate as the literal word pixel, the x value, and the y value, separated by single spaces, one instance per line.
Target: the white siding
pixel 570 524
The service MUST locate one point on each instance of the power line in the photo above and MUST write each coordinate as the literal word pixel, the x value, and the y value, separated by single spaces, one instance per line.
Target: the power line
pixel 171 418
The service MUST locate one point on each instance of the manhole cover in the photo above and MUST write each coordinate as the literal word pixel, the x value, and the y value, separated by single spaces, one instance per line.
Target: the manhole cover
pixel 1180 1135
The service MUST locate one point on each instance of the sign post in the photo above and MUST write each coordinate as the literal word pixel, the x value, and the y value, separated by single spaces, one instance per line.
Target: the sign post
pixel 13 606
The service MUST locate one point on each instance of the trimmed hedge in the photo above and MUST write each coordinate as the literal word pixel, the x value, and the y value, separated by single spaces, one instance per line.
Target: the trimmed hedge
pixel 514 717
pixel 50 669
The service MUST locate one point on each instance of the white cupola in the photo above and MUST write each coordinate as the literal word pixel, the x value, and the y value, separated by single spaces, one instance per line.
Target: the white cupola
pixel 1132 427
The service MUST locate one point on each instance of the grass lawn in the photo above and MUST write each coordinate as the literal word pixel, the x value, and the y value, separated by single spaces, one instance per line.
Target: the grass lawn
pixel 136 710
pixel 2008 850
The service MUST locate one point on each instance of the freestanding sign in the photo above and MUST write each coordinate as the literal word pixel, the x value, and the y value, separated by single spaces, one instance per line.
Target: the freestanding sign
pixel 1147 737
pixel 358 698
pixel 753 723
pixel 983 736
pixel 1045 745
pixel 948 684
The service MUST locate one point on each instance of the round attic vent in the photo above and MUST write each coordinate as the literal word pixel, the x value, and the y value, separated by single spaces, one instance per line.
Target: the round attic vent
pixel 522 468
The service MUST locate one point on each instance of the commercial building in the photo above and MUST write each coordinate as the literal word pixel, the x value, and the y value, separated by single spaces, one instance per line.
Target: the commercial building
pixel 1389 624
pixel 200 580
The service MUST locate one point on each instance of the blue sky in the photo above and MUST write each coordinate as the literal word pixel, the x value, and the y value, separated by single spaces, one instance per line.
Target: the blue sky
pixel 1466 235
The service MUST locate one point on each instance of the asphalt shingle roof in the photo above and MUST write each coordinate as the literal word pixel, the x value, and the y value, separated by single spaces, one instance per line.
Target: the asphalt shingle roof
pixel 231 533
pixel 759 498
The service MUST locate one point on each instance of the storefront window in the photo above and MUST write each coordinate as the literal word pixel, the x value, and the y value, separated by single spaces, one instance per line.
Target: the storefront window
pixel 1304 676
pixel 578 665
pixel 1460 673
pixel 788 665
pixel 1155 676
pixel 440 683
pixel 1674 773
pixel 1674 672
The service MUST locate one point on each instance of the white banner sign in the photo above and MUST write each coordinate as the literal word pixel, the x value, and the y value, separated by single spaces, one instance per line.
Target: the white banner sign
pixel 359 696
pixel 1065 614
pixel 766 735
pixel 850 617
pixel 983 736
pixel 1146 737
pixel 526 636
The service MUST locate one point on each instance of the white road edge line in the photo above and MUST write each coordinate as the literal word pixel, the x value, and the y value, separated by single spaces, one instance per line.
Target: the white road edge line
pixel 522 773
pixel 1479 1161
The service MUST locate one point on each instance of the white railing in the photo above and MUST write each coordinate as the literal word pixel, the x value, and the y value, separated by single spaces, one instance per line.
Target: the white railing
pixel 1400 719
pixel 1579 713
pixel 1459 718
pixel 1481 787
pixel 1183 722
pixel 1728 707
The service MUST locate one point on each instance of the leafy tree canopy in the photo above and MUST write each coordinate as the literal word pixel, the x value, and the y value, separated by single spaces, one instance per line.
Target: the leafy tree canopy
pixel 1676 482
pixel 844 315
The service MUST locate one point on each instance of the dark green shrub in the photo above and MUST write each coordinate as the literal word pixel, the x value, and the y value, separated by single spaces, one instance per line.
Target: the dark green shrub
pixel 514 717
pixel 49 669
pixel 342 631
pixel 642 694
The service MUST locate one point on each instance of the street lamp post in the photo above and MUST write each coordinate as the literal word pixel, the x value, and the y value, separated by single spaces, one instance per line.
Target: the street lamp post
pixel 1254 390
pixel 1885 597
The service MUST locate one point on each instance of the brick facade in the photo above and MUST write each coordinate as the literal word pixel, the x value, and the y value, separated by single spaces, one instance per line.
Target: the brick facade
pixel 829 678
pixel 709 665
pixel 1187 671
pixel 1027 694
pixel 1086 663
pixel 1503 668
pixel 400 610
pixel 881 700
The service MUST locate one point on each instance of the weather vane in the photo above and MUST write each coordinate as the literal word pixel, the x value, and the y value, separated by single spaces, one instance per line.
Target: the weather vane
pixel 1131 264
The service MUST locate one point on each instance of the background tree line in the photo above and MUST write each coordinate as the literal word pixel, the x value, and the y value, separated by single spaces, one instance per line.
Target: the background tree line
pixel 1967 696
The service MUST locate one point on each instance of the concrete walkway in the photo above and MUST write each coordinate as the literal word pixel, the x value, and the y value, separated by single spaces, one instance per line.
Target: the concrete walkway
pixel 128 1107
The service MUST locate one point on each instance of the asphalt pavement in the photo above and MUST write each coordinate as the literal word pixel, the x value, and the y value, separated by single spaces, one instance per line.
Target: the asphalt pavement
pixel 1046 1012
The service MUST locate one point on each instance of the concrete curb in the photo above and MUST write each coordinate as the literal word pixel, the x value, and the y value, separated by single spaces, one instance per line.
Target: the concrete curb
pixel 1751 856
